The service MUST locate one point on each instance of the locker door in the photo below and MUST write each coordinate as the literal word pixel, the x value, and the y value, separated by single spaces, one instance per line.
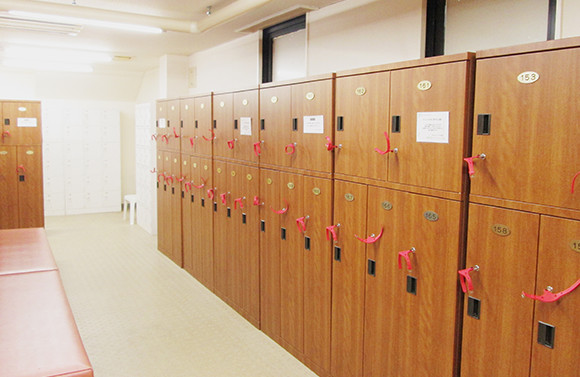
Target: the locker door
pixel 161 187
pixel 236 262
pixel 497 322
pixel 8 188
pixel 195 196
pixel 223 125
pixel 362 111
pixel 206 225
pixel 405 308
pixel 246 125
pixel 187 125
pixel 276 126
pixel 186 213
pixel 558 267
pixel 174 125
pixel 30 188
pixel 176 247
pixel 292 262
pixel 270 253
pixel 166 203
pixel 222 232
pixel 432 125
pixel 203 125
pixel 348 280
pixel 161 129
pixel 23 123
pixel 531 125
pixel 248 220
pixel 317 253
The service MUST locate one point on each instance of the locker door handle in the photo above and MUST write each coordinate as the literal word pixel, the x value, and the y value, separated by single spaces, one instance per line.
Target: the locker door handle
pixel 257 201
pixel 469 161
pixel 340 123
pixel 262 124
pixel 330 146
pixel 212 136
pixel 574 181
pixel 405 254
pixel 175 134
pixel 202 184
pixel 290 148
pixel 5 134
pixel 483 124
pixel 240 202
pixel 301 223
pixel 159 176
pixel 331 230
pixel 337 253
pixel 389 150
pixel 546 334
pixel 211 194
pixel 20 168
pixel 465 278
pixel 372 267
pixel 283 233
pixel 187 186
pixel 396 123
pixel 231 143
pixel 258 148
pixel 181 123
pixel 164 137
pixel 307 243
pixel 262 225
pixel 181 179
pixel 372 238
pixel 294 124
pixel 283 210
pixel 235 124
pixel 548 296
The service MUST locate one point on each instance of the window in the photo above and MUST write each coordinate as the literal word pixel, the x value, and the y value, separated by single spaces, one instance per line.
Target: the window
pixel 288 39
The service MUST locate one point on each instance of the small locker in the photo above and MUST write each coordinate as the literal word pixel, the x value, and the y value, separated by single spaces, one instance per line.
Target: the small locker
pixel 30 187
pixel 168 123
pixel 8 187
pixel 276 127
pixel 222 206
pixel 187 201
pixel 175 208
pixel 203 127
pixel 246 140
pixel 21 123
pixel 202 221
pixel 188 136
pixel 223 125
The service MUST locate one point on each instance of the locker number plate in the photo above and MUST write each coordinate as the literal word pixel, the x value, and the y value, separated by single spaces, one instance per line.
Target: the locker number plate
pixel 316 191
pixel 387 205
pixel 249 177
pixel 219 170
pixel 424 85
pixel 274 99
pixel 269 181
pixel 291 185
pixel 310 96
pixel 205 167
pixel 501 230
pixel 245 102
pixel 349 197
pixel 431 216
pixel 233 173
pixel 528 77
pixel 360 91
pixel 575 245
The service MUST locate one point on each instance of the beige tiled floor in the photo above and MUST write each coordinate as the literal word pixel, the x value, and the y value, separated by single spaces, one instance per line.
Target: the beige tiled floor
pixel 141 316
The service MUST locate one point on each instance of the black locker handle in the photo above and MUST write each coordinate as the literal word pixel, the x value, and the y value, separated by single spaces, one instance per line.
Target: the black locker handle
pixel 214 123
pixel 283 233
pixel 337 253
pixel 156 123
pixel 483 124
pixel 262 124
pixel 192 198
pixel 164 187
pixel 340 123
pixel 396 124
pixel 196 124
pixel 215 206
pixel 235 124
pixel 294 124
pixel 411 285
pixel 21 178
pixel 229 212
pixel 173 191
pixel 546 334
pixel 262 225
pixel 181 124
pixel 203 202
pixel 307 243
pixel 473 307
pixel 244 218
pixel 372 267
pixel 183 195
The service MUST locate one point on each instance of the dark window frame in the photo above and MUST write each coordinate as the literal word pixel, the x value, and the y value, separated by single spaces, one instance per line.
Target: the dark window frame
pixel 268 36
pixel 435 28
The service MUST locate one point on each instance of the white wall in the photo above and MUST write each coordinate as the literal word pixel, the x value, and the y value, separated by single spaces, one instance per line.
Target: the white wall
pixel 570 14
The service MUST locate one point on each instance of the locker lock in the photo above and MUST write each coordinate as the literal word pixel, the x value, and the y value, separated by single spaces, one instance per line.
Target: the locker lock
pixel 548 296
pixel 330 146
pixel 469 161
pixel 258 148
pixel 405 254
pixel 331 230
pixel 389 150
pixel 465 279
pixel 290 148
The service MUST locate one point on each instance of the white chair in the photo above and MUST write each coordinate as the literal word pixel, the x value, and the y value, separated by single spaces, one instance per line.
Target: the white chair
pixel 130 200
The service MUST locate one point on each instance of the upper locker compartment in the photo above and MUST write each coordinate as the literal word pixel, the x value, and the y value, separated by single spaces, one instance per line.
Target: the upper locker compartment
pixel 223 125
pixel 246 140
pixel 161 130
pixel 429 125
pixel 526 124
pixel 187 133
pixel 21 124
pixel 203 127
pixel 275 126
pixel 173 125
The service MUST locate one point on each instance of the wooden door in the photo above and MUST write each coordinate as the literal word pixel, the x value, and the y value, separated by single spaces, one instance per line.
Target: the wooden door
pixel 236 252
pixel 160 197
pixel 317 254
pixel 176 247
pixel 174 125
pixel 292 262
pixel 222 232
pixel 223 125
pixel 411 312
pixel 187 199
pixel 8 188
pixel 348 280
pixel 497 329
pixel 30 187
pixel 22 123
pixel 362 118
pixel 432 126
pixel 313 120
pixel 270 200
pixel 203 125
pixel 276 126
pixel 205 228
pixel 187 125
pixel 559 268
pixel 246 125
pixel 530 141
pixel 165 207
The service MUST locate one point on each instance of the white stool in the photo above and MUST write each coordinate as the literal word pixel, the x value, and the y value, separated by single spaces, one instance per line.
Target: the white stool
pixel 132 201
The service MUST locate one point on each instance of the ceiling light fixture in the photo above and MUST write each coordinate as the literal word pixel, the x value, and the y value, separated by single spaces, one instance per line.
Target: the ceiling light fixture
pixel 86 21
pixel 55 55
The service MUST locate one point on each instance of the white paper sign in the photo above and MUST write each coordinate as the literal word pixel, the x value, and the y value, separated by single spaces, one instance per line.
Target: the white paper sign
pixel 246 126
pixel 26 122
pixel 433 127
pixel 314 124
pixel 162 123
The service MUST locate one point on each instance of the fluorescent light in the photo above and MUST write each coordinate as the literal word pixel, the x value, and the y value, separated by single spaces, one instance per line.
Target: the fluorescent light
pixel 86 21
pixel 55 55
pixel 47 66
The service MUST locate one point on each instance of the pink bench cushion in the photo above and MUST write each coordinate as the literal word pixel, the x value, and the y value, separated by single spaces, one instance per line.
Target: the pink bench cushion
pixel 38 334
pixel 25 250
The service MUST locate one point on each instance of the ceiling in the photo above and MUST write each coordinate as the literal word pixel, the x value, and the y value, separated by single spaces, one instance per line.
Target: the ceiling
pixel 143 49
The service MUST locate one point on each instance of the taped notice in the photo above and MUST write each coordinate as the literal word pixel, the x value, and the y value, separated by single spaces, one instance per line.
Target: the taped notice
pixel 26 122
pixel 246 126
pixel 162 123
pixel 314 124
pixel 433 127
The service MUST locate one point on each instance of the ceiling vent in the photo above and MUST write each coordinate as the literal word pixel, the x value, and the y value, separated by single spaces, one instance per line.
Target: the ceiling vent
pixel 38 26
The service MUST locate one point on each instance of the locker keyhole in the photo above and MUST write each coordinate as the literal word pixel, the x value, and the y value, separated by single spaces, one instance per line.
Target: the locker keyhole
pixel 235 124
pixel 337 253
pixel 411 285
pixel 473 307
pixel 372 267
pixel 294 124
pixel 546 334
pixel 483 124
pixel 283 233
pixel 307 243
pixel 340 123
pixel 396 124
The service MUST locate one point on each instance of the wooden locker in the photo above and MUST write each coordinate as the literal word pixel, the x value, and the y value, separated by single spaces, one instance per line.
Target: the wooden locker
pixel 188 137
pixel 497 324
pixel 348 280
pixel 203 125
pixel 431 105
pixel 222 232
pixel 30 187
pixel 362 118
pixel 410 314
pixel 204 232
pixel 528 133
pixel 317 251
pixel 276 126
pixel 174 125
pixel 21 123
pixel 160 172
pixel 270 304
pixel 8 188
pixel 236 263
pixel 187 198
pixel 175 205
pixel 223 125
pixel 292 262
pixel 312 125
pixel 164 218
pixel 558 267
pixel 246 126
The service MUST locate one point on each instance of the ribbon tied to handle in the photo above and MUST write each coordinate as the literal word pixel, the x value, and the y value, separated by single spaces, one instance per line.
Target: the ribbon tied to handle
pixel 465 278
pixel 301 223
pixel 175 133
pixel 329 145
pixel 372 238
pixel 258 148
pixel 331 230
pixel 154 170
pixel 187 186
pixel 470 166
pixel 283 210
pixel 389 150
pixel 548 296
pixel 212 136
pixel 168 178
pixel 223 197
pixel 257 201
pixel 181 179
pixel 154 137
pixel 405 254
pixel 20 168
pixel 231 143
pixel 202 184
pixel 240 202
pixel 210 194
pixel 290 148
pixel 164 137
pixel 159 176
pixel 574 181
pixel 191 141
